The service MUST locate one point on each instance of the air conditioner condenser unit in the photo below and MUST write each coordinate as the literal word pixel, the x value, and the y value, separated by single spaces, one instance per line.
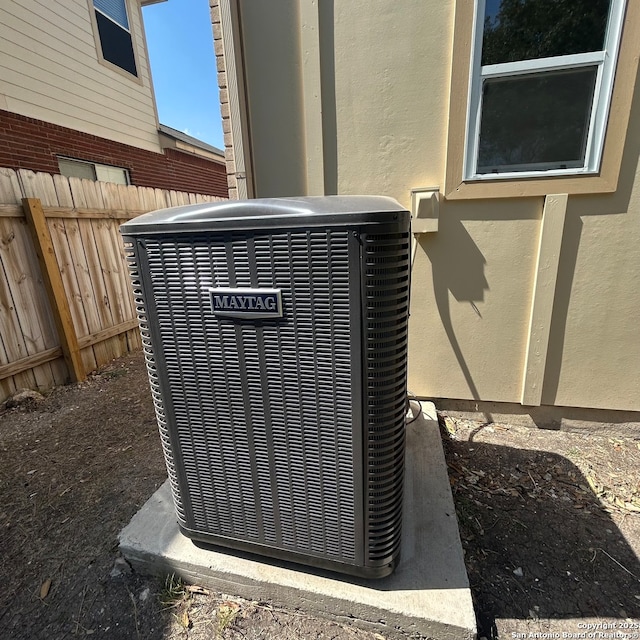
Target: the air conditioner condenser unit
pixel 275 334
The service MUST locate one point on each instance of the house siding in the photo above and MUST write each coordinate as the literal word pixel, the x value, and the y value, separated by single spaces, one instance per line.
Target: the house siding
pixel 386 87
pixel 50 70
pixel 28 143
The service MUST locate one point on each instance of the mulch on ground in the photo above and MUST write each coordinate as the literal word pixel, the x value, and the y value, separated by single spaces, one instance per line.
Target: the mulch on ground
pixel 550 526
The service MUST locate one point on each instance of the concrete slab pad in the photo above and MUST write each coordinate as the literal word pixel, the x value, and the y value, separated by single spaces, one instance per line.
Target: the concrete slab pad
pixel 427 595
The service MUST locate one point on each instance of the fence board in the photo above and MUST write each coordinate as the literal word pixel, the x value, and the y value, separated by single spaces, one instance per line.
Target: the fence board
pixel 45 190
pixel 10 192
pixel 129 197
pixel 93 193
pixel 162 199
pixel 119 329
pixel 113 259
pixel 77 283
pixel 12 345
pixel 120 274
pixel 69 269
pixel 82 219
pixel 39 185
pixel 111 269
pixel 34 323
pixel 178 198
pixel 54 286
pixel 111 196
pixel 14 368
pixel 104 351
pixel 63 191
pixel 11 211
pixel 147 197
pixel 24 264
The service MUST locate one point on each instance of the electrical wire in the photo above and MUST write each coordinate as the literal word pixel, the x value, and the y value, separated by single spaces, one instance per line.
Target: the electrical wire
pixel 412 396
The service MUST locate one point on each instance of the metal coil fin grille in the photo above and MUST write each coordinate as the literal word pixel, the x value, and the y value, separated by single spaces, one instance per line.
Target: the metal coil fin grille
pixel 386 287
pixel 263 409
pixel 161 417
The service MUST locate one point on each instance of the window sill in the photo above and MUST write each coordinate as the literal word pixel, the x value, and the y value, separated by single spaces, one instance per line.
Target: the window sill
pixel 527 187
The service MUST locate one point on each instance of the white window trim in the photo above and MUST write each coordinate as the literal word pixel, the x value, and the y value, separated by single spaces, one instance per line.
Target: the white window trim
pixel 606 61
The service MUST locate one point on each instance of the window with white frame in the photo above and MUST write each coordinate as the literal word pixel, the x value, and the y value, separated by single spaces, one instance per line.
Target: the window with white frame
pixel 114 34
pixel 541 81
pixel 73 168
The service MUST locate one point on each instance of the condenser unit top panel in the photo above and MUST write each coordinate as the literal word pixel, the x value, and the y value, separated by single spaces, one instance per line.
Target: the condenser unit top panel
pixel 268 213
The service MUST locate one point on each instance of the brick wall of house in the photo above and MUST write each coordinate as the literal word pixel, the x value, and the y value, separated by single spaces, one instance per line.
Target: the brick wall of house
pixel 27 143
pixel 224 99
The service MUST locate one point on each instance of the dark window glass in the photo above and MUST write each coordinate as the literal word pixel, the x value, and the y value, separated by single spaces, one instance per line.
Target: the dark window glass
pixel 116 44
pixel 527 29
pixel 535 121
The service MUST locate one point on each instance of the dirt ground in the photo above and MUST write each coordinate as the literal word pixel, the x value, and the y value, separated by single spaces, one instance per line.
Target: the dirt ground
pixel 550 527
pixel 550 524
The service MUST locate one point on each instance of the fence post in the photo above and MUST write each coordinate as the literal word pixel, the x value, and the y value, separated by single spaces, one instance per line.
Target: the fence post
pixel 55 289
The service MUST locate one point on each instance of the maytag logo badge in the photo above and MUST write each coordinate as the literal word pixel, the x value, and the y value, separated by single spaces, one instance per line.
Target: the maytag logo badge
pixel 246 303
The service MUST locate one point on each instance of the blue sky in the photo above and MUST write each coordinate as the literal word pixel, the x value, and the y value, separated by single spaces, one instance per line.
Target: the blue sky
pixel 183 66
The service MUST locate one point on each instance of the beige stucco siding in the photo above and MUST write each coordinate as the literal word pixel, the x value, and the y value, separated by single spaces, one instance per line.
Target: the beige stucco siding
pixel 49 69
pixel 274 95
pixel 390 106
pixel 471 290
pixel 470 301
pixel 595 343
pixel 509 303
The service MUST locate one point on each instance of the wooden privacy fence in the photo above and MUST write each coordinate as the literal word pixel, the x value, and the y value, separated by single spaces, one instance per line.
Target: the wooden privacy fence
pixel 65 302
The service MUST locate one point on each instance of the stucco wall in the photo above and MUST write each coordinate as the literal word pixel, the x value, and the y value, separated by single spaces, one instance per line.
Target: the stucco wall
pixel 595 342
pixel 385 84
pixel 273 84
pixel 391 106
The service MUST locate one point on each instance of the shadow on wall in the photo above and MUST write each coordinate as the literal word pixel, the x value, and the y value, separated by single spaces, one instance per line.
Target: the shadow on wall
pixel 538 543
pixel 457 266
pixel 328 96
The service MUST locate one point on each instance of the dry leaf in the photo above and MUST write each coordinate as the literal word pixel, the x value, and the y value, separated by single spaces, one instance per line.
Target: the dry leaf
pixel 44 589
pixel 184 619
pixel 595 487
pixel 450 425
pixel 194 588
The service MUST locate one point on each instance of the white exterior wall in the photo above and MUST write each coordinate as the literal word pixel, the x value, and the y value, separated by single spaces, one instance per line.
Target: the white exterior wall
pixel 50 70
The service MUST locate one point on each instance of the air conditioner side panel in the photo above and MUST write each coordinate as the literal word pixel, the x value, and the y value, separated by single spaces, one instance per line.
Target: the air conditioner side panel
pixel 138 271
pixel 385 296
